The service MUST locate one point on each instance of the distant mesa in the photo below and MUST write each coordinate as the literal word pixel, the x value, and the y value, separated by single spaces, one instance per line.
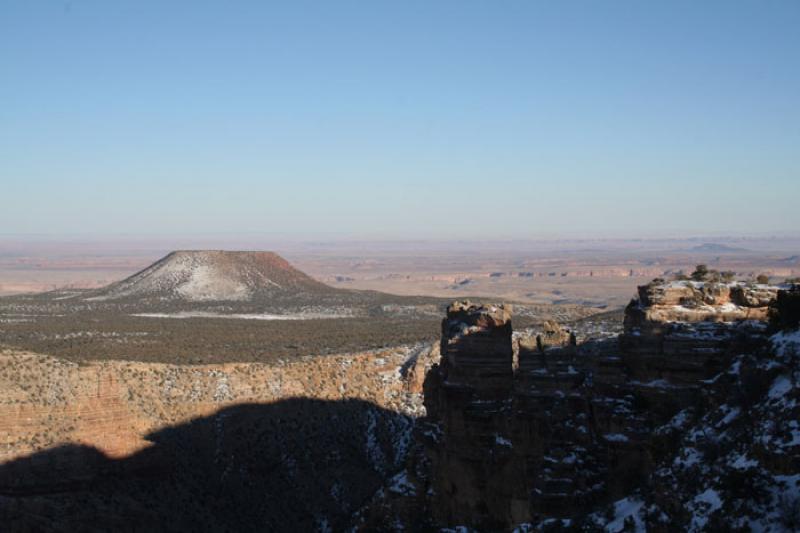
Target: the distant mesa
pixel 712 247
pixel 212 275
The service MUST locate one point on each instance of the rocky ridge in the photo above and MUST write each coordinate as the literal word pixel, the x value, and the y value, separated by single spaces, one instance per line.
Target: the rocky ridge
pixel 596 435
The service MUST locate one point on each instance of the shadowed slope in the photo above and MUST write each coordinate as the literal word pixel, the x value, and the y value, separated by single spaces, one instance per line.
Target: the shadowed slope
pixel 293 465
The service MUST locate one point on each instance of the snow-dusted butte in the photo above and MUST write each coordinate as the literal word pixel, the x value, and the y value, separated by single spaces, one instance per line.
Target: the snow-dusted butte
pixel 218 283
pixel 691 301
pixel 212 275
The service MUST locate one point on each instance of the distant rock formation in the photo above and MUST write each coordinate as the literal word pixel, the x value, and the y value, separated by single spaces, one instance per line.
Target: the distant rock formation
pixel 578 427
pixel 212 275
pixel 713 247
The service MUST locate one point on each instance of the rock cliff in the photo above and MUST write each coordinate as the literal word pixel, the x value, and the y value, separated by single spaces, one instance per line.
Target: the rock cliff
pixel 581 435
pixel 686 331
pixel 132 446
pixel 468 393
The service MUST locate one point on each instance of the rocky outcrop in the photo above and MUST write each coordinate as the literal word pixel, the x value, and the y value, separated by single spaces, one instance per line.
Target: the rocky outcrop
pixel 686 331
pixel 693 301
pixel 574 427
pixel 526 447
pixel 551 336
pixel 785 310
pixel 476 348
pixel 467 393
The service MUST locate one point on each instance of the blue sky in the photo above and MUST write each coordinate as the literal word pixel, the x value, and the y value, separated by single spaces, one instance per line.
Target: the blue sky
pixel 400 119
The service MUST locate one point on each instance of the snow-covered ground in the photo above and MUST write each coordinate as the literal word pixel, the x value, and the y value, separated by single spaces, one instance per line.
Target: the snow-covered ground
pixel 241 316
pixel 733 469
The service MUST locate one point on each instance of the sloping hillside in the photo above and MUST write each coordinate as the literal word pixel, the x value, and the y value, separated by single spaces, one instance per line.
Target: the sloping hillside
pixel 737 462
pixel 213 275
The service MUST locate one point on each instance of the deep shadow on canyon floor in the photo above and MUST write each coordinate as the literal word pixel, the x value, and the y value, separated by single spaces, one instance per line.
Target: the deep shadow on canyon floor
pixel 294 465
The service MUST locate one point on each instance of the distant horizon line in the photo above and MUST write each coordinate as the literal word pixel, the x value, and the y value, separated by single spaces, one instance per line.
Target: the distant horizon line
pixel 366 237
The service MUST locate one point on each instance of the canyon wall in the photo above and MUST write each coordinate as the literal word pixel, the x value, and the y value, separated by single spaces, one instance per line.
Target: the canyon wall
pixel 566 428
pixel 117 445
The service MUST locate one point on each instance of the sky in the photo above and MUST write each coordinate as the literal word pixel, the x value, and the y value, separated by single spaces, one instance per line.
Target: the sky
pixel 431 119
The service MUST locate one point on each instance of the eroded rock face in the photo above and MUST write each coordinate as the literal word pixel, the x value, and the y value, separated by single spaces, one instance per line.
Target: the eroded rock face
pixel 116 445
pixel 785 310
pixel 551 336
pixel 528 446
pixel 476 347
pixel 573 427
pixel 709 301
pixel 469 390
pixel 685 331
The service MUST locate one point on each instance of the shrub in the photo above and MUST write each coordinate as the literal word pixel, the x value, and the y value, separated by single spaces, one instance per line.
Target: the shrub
pixel 751 389
pixel 680 275
pixel 789 509
pixel 745 485
pixel 763 279
pixel 711 448
pixel 700 273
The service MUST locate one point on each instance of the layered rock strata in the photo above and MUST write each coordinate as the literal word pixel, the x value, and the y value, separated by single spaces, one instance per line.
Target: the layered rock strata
pixel 686 331
pixel 572 427
pixel 467 392
pixel 124 446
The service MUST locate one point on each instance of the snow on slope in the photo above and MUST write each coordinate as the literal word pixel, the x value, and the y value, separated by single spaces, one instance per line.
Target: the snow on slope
pixel 736 465
pixel 199 276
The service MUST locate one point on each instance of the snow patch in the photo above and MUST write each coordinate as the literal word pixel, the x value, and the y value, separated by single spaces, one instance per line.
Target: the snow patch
pixel 704 504
pixel 502 441
pixel 240 316
pixel 374 451
pixel 779 388
pixel 785 343
pixel 615 437
pixel 400 484
pixel 205 284
pixel 624 508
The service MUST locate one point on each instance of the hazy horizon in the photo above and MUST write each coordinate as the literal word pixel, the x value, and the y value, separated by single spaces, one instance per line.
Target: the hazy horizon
pixel 787 241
